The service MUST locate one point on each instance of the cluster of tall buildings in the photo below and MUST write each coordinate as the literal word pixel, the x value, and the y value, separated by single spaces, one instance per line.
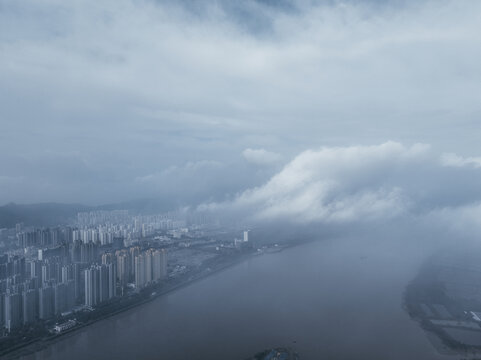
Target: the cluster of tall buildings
pixel 79 275
pixel 35 289
pixel 100 283
pixel 50 271
pixel 103 226
pixel 59 235
pixel 150 266
pixel 43 237
pixel 101 234
pixel 139 267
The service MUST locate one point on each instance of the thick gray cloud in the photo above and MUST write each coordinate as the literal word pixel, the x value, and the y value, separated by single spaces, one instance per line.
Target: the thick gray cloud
pixel 333 184
pixel 362 185
pixel 114 100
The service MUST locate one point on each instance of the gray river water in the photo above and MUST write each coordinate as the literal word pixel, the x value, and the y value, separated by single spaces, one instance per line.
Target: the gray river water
pixel 328 299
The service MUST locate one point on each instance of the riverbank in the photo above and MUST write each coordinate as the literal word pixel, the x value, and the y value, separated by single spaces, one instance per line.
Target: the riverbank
pixel 155 292
pixel 323 298
pixel 444 299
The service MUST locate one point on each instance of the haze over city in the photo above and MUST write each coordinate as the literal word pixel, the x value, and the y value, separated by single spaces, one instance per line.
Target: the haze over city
pixel 199 135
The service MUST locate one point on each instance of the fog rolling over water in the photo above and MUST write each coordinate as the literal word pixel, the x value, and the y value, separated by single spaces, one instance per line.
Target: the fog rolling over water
pixel 335 298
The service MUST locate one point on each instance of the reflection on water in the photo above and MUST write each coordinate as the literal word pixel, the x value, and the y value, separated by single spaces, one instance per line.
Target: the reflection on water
pixel 336 299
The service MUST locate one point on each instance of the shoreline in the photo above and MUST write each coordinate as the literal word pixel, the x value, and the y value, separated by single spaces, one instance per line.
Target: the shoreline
pixel 438 309
pixel 43 343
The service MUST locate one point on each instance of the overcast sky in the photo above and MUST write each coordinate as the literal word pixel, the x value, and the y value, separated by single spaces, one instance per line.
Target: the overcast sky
pixel 308 110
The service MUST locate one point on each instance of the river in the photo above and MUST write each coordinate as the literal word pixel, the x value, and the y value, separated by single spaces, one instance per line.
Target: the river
pixel 332 299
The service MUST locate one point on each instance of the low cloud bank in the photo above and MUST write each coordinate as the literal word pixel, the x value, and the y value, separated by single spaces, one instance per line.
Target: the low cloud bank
pixel 343 185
